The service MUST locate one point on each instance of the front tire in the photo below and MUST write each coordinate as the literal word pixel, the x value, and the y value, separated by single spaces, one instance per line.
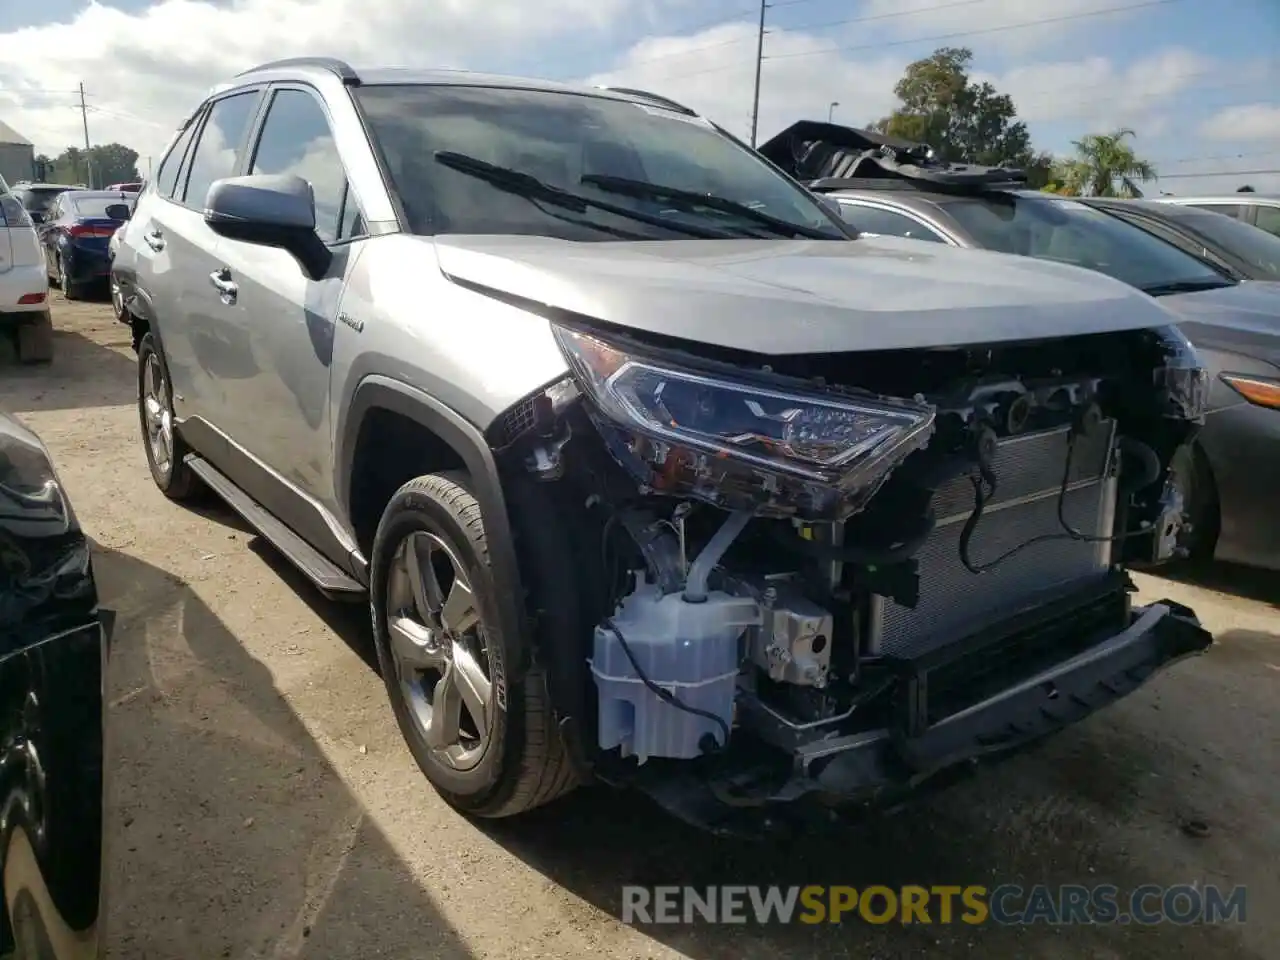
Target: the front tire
pixel 490 747
pixel 1190 475
pixel 166 453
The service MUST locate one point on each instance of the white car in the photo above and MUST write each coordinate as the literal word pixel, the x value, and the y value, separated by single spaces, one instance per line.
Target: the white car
pixel 24 284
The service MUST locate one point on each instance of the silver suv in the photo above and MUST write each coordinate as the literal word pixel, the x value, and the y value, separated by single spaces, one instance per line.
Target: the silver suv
pixel 651 471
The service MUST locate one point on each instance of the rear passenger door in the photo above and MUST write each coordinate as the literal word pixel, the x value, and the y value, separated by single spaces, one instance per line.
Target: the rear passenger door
pixel 204 366
pixel 290 318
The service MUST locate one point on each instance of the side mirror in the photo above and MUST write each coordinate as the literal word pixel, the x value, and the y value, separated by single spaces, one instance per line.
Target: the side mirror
pixel 118 211
pixel 276 210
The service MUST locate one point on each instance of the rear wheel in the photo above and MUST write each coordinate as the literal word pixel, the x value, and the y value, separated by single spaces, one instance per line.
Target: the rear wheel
pixel 166 453
pixel 70 289
pixel 35 339
pixel 488 745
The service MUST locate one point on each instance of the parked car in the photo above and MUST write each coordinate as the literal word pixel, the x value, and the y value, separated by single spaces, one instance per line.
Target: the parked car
pixel 1258 209
pixel 1224 476
pixel 38 197
pixel 733 493
pixel 24 287
pixel 52 725
pixel 1245 252
pixel 74 236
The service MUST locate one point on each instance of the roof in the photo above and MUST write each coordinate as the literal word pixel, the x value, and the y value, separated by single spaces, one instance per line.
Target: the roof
pixel 382 75
pixel 1265 198
pixel 10 135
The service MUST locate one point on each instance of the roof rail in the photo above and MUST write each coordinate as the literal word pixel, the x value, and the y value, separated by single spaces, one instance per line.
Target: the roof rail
pixel 654 97
pixel 339 68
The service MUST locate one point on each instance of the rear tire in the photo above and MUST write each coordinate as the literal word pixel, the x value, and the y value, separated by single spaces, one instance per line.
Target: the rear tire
pixel 166 453
pixel 510 760
pixel 34 339
pixel 70 289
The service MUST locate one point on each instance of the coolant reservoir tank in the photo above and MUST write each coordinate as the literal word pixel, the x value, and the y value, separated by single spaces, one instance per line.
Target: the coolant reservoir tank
pixel 691 650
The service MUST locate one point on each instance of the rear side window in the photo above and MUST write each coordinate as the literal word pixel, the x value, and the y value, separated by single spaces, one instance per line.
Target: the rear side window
pixel 1226 209
pixel 1269 220
pixel 218 148
pixel 296 140
pixel 167 178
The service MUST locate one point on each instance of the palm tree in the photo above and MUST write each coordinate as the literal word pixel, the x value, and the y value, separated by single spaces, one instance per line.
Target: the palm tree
pixel 1105 166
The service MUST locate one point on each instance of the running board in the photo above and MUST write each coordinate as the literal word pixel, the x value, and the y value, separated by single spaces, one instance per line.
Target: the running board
pixel 328 577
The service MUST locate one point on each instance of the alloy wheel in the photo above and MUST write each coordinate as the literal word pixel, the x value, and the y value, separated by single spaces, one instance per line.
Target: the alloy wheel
pixel 438 646
pixel 156 415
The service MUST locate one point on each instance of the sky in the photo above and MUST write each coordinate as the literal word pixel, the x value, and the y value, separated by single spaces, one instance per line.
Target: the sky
pixel 1197 80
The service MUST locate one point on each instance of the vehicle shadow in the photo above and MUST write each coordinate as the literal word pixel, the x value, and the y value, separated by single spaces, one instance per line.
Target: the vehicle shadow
pixel 1045 817
pixel 230 833
pixel 84 372
pixel 1249 583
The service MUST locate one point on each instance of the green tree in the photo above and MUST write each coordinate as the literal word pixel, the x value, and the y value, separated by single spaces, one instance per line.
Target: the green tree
pixel 1105 165
pixel 96 167
pixel 962 120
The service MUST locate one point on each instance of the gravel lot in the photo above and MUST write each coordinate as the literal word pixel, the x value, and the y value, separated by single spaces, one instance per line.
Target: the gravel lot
pixel 264 807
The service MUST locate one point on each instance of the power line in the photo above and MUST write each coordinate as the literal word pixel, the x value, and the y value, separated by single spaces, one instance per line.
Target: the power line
pixel 1221 156
pixel 1066 18
pixel 1217 173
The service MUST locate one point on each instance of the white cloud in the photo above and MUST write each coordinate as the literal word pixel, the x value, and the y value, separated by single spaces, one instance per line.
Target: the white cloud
pixel 714 73
pixel 144 72
pixel 1252 122
pixel 1007 25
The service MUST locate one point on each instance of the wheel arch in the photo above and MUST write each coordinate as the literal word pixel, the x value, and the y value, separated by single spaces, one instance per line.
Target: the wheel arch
pixel 460 439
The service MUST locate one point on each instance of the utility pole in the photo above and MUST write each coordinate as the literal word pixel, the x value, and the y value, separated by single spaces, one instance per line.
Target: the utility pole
pixel 755 102
pixel 84 119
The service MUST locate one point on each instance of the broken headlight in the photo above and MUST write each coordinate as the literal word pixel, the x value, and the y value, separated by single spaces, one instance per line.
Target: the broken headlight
pixel 740 444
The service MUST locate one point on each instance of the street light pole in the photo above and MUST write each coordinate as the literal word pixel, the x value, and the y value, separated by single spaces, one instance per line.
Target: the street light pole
pixel 832 109
pixel 755 102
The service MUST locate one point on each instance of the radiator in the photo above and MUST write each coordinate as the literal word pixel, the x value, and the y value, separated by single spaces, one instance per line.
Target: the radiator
pixel 954 602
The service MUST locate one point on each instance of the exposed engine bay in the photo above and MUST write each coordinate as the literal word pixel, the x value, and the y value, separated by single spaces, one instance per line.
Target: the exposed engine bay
pixel 823 575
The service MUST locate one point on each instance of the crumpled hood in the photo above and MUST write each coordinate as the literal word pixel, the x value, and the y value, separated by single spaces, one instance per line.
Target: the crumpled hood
pixel 778 297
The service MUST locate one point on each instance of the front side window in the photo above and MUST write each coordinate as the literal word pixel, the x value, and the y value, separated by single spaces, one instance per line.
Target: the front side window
pixel 650 164
pixel 220 139
pixel 1070 232
pixel 1261 250
pixel 296 140
pixel 877 221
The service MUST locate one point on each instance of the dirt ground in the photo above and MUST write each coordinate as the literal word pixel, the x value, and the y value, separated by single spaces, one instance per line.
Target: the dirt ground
pixel 263 805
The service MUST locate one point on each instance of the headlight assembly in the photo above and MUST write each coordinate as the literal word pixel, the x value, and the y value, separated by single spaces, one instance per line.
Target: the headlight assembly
pixel 725 439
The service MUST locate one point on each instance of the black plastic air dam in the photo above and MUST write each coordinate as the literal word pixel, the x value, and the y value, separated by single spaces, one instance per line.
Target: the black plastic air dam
pixel 1159 636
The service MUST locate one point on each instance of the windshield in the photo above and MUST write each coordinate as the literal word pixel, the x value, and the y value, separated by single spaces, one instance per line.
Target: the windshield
pixel 1261 250
pixel 1070 232
pixel 37 200
pixel 567 141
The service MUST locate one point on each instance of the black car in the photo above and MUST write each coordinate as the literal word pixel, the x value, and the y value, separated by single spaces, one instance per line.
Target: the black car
pixel 1246 252
pixel 74 236
pixel 52 719
pixel 891 188
pixel 37 198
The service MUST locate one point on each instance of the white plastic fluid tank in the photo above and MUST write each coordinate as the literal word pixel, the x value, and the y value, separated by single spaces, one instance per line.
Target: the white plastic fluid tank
pixel 691 650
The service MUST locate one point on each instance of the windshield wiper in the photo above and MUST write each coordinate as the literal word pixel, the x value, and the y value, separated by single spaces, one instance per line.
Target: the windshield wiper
pixel 530 187
pixel 1185 286
pixel 692 200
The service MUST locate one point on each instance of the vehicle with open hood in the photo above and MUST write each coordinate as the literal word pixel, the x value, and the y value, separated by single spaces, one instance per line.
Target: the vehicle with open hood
pixel 650 471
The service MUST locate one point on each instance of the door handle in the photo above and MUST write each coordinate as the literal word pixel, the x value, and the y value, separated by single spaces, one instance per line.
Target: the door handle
pixel 154 240
pixel 226 287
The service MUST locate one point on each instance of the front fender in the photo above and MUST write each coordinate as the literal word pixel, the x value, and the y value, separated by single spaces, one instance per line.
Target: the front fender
pixel 379 392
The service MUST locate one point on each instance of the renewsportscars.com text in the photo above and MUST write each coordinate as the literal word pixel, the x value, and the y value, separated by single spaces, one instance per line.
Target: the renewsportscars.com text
pixel 1007 904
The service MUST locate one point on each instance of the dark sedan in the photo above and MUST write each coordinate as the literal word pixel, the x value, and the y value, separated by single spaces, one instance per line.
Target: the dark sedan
pixel 1246 252
pixel 52 719
pixel 890 188
pixel 74 236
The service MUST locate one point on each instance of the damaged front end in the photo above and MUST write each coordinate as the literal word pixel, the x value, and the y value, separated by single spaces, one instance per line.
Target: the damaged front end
pixel 834 576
